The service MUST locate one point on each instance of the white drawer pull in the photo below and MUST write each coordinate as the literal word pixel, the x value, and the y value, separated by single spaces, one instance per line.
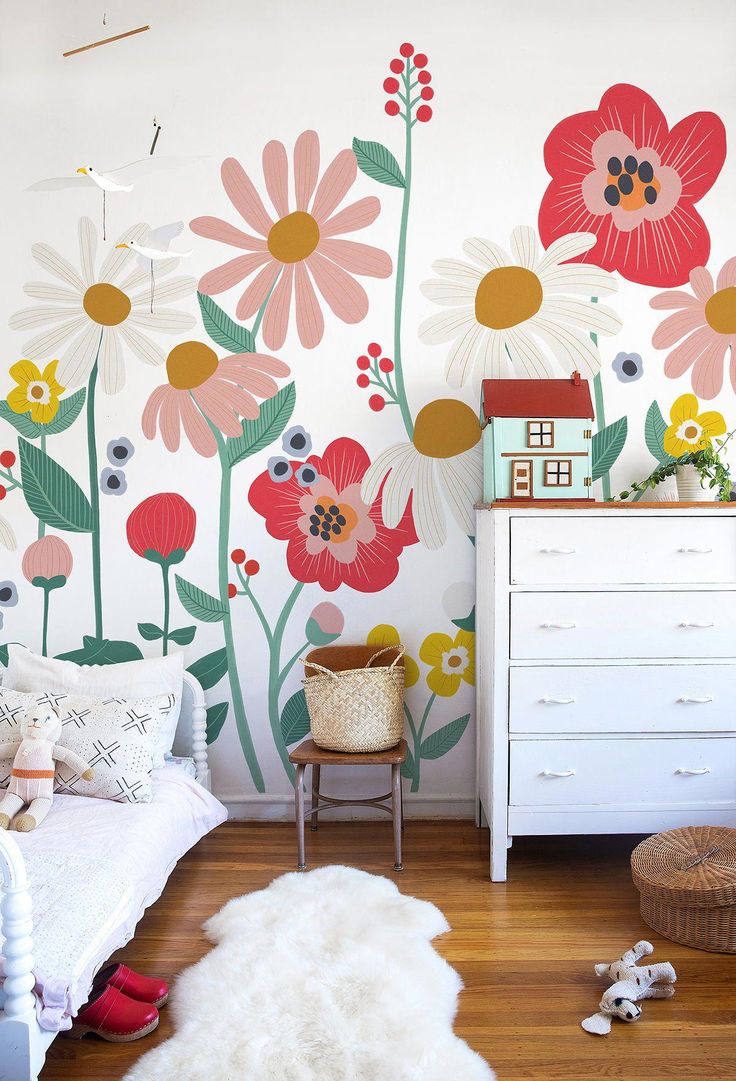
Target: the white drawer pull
pixel 691 699
pixel 548 700
pixel 558 626
pixel 695 551
pixel 698 624
pixel 558 551
pixel 558 772
pixel 693 772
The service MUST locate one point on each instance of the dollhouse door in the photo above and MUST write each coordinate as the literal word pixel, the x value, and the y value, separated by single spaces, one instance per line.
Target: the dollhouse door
pixel 521 479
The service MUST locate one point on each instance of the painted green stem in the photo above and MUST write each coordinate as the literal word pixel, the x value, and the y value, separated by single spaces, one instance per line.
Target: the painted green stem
pixel 94 494
pixel 42 525
pixel 418 743
pixel 236 693
pixel 167 606
pixel 45 629
pixel 400 273
pixel 291 662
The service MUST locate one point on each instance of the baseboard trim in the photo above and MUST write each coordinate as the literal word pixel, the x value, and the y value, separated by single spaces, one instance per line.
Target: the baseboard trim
pixel 280 808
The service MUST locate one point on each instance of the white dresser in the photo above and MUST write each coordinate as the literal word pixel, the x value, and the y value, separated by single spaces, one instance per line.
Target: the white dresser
pixel 606 669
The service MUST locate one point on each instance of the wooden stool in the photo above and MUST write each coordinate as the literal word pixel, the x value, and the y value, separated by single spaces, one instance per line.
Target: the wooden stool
pixel 309 754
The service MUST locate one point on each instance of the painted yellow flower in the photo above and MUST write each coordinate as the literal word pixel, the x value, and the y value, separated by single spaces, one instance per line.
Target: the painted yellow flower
pixel 37 392
pixel 450 661
pixel 691 431
pixel 386 635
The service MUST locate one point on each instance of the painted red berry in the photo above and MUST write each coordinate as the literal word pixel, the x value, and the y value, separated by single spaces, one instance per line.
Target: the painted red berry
pixel 3 492
pixel 374 349
pixel 376 402
pixel 363 381
pixel 427 93
pixel 406 49
pixel 7 459
pixel 231 591
pixel 392 107
pixel 424 113
pixel 385 364
pixel 397 66
pixel 237 555
pixel 390 85
pixel 424 77
pixel 363 363
pixel 420 60
pixel 252 567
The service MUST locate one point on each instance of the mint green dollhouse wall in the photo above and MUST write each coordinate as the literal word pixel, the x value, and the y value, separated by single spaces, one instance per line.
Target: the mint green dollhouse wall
pixel 505 441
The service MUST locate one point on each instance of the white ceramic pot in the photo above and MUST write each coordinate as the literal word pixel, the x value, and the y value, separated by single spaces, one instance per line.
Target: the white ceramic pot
pixel 689 488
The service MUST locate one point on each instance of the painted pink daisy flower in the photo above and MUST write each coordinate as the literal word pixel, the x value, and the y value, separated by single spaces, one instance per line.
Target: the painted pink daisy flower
pixel 296 250
pixel 203 392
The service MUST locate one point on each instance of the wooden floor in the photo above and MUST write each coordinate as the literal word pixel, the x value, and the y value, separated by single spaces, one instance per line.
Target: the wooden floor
pixel 524 948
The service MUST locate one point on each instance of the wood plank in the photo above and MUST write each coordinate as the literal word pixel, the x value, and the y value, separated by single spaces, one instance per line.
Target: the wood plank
pixel 524 948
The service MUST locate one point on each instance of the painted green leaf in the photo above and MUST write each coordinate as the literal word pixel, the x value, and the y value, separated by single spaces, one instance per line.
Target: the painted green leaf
pixel 275 414
pixel 102 651
pixel 183 635
pixel 68 411
pixel 654 428
pixel 377 162
pixel 150 632
pixel 20 421
pixel 607 445
pixel 210 669
pixel 51 493
pixel 215 720
pixel 444 739
pixel 295 719
pixel 468 623
pixel 408 766
pixel 222 329
pixel 202 606
pixel 4 655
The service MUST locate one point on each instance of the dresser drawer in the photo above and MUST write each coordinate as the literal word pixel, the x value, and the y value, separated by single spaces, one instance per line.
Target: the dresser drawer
pixel 635 698
pixel 623 550
pixel 574 625
pixel 622 772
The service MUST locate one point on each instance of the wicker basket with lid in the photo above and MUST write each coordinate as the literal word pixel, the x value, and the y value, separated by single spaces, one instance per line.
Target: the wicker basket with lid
pixel 687 881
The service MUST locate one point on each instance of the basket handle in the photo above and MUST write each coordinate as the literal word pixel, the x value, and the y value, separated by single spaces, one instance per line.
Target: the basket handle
pixel 401 650
pixel 318 667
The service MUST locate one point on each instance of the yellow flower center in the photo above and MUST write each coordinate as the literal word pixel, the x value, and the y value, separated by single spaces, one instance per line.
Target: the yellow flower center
pixel 720 311
pixel 106 304
pixel 508 296
pixel 294 237
pixel 445 428
pixel 190 364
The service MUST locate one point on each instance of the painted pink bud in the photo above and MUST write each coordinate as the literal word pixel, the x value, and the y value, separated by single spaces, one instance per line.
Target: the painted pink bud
pixel 325 624
pixel 49 558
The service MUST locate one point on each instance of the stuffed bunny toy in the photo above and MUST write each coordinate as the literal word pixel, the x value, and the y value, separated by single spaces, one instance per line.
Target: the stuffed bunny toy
pixel 34 768
pixel 631 984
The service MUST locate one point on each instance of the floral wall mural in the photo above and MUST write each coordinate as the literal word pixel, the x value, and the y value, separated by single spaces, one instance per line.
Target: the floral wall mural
pixel 279 448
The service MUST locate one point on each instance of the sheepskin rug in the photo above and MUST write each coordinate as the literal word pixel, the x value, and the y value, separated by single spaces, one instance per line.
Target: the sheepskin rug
pixel 324 976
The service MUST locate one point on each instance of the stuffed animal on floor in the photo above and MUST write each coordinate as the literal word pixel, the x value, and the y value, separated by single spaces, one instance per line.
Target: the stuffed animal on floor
pixel 34 767
pixel 631 984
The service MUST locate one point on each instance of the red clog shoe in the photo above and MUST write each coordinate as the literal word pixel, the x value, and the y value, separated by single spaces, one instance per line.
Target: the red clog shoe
pixel 142 988
pixel 114 1017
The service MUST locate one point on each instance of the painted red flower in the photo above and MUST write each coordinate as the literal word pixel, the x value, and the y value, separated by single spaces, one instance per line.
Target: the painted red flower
pixel 619 171
pixel 333 536
pixel 161 528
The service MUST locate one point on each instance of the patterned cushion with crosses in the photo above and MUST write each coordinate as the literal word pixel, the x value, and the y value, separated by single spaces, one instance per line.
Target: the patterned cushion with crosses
pixel 117 736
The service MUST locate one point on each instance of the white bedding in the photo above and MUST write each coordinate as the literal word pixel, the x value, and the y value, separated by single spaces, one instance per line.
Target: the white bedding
pixel 94 867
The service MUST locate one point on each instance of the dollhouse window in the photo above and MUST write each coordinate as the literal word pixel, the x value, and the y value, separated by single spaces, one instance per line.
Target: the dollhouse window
pixel 558 474
pixel 540 433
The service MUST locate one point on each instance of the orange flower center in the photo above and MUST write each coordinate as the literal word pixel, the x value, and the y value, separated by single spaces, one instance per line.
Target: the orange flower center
pixel 190 364
pixel 106 304
pixel 631 183
pixel 36 390
pixel 445 428
pixel 294 237
pixel 454 661
pixel 508 296
pixel 332 522
pixel 720 311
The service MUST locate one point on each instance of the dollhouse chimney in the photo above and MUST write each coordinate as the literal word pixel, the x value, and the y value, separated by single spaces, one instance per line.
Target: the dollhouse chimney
pixel 576 379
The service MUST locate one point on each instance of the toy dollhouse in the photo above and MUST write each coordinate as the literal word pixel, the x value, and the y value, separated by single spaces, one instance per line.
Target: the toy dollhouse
pixel 537 439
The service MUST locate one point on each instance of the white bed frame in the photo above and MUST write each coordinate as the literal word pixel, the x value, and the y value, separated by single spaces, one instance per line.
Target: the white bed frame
pixel 23 1043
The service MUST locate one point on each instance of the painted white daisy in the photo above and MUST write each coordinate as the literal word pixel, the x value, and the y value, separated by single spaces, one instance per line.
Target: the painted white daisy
pixel 98 316
pixel 510 315
pixel 7 536
pixel 444 458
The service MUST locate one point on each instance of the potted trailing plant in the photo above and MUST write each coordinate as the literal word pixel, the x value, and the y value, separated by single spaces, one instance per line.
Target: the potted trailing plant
pixel 702 475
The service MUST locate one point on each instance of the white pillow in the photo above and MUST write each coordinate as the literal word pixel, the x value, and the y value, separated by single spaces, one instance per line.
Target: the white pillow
pixel 26 671
pixel 116 736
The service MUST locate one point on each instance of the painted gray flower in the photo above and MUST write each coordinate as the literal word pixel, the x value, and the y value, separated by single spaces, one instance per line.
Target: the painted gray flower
pixel 112 481
pixel 279 469
pixel 307 475
pixel 8 594
pixel 628 367
pixel 120 451
pixel 297 442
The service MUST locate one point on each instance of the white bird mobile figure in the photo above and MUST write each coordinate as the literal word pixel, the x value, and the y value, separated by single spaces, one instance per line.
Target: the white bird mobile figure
pixel 106 180
pixel 156 249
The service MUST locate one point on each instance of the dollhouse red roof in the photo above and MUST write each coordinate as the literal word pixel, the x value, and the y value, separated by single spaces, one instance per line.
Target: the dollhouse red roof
pixel 537 398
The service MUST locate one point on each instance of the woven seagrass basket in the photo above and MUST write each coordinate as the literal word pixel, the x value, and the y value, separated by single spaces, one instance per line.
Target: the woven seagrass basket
pixel 355 710
pixel 687 881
